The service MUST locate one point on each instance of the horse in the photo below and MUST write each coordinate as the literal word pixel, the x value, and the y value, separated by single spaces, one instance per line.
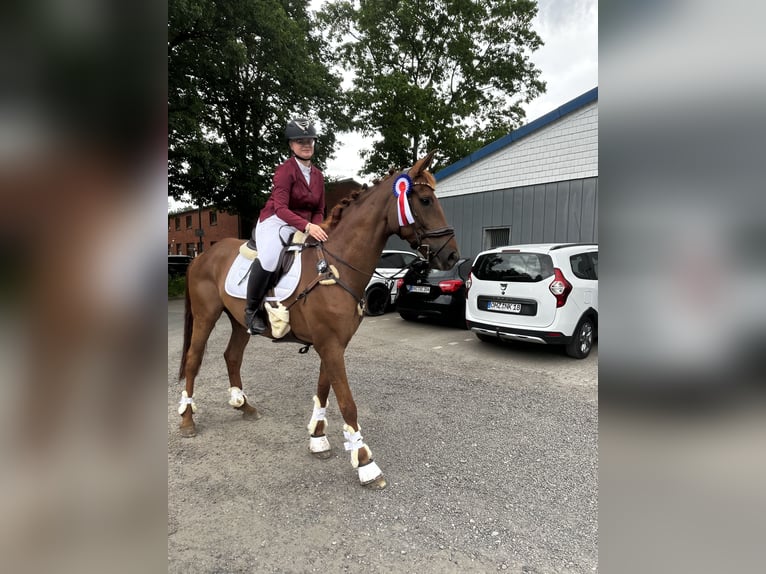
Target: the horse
pixel 323 314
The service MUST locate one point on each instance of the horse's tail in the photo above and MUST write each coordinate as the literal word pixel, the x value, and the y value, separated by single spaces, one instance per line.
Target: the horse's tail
pixel 188 325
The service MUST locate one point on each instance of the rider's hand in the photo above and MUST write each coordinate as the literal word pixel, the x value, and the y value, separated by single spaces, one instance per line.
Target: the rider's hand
pixel 317 232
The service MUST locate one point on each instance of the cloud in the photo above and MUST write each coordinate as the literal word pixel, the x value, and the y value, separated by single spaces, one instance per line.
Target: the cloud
pixel 568 61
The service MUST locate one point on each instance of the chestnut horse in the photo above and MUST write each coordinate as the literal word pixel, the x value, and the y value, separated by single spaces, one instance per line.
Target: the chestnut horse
pixel 326 316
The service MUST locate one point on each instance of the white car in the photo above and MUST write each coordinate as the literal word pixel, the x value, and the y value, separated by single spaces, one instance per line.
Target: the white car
pixel 381 291
pixel 538 293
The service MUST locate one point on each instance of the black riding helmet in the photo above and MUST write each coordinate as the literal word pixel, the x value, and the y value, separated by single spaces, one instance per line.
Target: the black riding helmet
pixel 300 128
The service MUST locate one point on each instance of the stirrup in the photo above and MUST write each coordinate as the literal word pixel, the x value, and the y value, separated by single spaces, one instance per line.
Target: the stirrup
pixel 257 325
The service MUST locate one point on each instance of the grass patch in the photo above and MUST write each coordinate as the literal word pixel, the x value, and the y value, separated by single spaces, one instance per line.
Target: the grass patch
pixel 176 286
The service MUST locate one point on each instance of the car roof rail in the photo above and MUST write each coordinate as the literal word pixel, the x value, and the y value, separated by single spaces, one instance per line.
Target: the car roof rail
pixel 572 245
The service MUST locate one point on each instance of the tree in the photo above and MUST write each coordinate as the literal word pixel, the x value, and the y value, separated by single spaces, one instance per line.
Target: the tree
pixel 237 71
pixel 446 74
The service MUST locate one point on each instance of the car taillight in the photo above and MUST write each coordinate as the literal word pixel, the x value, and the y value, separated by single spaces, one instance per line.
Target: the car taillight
pixel 560 287
pixel 399 283
pixel 468 283
pixel 450 285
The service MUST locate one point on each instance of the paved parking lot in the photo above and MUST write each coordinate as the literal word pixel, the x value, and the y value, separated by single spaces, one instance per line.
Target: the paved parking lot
pixel 490 452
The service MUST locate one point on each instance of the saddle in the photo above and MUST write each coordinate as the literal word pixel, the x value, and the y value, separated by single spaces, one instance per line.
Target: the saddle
pixel 294 245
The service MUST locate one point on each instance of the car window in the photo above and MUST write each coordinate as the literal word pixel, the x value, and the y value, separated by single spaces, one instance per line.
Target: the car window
pixel 583 267
pixel 464 268
pixel 391 261
pixel 514 267
pixel 594 261
pixel 409 258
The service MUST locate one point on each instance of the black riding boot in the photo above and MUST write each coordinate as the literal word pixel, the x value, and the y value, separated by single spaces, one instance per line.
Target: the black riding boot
pixel 257 285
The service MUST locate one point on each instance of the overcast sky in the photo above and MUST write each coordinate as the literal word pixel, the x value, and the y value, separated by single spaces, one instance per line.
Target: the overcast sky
pixel 569 64
pixel 568 60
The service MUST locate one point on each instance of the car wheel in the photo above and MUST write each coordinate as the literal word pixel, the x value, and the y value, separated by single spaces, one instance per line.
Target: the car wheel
pixel 486 338
pixel 377 300
pixel 408 316
pixel 582 340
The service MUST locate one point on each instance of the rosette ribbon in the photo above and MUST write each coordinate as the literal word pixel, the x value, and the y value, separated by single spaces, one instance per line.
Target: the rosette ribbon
pixel 402 187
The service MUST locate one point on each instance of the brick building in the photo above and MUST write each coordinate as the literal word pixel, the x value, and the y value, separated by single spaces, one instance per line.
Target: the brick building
pixel 183 226
pixel 184 235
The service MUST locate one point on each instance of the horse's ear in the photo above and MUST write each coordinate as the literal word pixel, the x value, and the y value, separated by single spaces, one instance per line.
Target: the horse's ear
pixel 423 163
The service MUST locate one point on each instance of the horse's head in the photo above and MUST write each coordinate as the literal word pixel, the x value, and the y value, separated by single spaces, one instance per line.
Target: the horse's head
pixel 419 217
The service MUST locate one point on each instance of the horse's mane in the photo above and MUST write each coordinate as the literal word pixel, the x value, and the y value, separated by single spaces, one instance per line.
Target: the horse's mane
pixel 332 220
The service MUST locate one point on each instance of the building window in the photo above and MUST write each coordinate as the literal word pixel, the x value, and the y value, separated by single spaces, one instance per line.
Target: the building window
pixel 213 217
pixel 188 222
pixel 191 249
pixel 178 223
pixel 496 237
pixel 179 249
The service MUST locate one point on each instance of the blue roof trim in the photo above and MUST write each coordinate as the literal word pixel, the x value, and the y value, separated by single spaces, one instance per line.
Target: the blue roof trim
pixel 523 131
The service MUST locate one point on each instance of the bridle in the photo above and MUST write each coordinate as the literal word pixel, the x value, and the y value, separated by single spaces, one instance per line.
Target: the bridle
pixel 415 233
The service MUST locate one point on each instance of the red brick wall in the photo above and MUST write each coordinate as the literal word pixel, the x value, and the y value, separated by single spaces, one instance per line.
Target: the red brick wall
pixel 232 225
pixel 225 226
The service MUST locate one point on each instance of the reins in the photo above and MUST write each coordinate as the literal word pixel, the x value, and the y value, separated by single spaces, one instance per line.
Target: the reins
pixel 326 274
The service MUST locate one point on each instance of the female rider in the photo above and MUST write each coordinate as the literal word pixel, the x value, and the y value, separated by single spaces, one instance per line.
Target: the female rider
pixel 296 202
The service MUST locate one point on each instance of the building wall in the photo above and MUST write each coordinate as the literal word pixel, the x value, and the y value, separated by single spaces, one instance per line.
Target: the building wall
pixel 551 212
pixel 226 225
pixel 539 183
pixel 566 149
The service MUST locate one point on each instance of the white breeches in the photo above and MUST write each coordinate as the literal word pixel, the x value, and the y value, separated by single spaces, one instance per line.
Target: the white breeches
pixel 267 234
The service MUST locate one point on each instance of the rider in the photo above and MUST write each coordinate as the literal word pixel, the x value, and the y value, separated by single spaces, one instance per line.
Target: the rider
pixel 296 202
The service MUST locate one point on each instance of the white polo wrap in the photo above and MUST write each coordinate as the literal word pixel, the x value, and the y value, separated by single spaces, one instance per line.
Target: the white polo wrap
pixel 236 397
pixel 369 472
pixel 319 444
pixel 319 414
pixel 186 400
pixel 354 442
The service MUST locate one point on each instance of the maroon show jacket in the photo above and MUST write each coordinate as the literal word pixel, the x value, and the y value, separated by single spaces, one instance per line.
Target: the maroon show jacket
pixel 292 199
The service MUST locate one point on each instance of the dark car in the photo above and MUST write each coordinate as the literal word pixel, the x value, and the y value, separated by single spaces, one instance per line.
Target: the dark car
pixel 177 265
pixel 434 294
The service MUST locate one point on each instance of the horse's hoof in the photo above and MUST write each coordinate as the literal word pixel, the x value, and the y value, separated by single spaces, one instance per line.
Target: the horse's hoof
pixel 319 447
pixel 188 431
pixel 376 484
pixel 249 413
pixel 371 477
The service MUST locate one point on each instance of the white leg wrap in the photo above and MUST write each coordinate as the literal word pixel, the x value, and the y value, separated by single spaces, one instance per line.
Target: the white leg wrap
pixel 236 397
pixel 353 443
pixel 369 472
pixel 319 414
pixel 319 444
pixel 186 400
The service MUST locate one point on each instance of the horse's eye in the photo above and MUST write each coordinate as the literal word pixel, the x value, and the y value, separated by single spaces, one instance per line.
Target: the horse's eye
pixel 425 201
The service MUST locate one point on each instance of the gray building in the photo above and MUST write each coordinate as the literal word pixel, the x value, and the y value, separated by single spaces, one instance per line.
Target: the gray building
pixel 538 184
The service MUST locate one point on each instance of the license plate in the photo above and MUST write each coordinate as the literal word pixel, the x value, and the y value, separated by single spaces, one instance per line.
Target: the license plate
pixel 504 306
pixel 420 289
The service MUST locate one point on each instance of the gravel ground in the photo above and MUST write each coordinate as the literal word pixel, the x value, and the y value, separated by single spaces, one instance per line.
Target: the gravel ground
pixel 490 452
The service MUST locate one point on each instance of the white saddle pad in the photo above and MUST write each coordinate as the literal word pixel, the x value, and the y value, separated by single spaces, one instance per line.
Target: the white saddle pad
pixel 236 279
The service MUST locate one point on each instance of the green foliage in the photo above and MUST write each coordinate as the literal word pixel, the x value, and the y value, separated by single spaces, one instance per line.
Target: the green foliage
pixel 176 286
pixel 237 71
pixel 445 74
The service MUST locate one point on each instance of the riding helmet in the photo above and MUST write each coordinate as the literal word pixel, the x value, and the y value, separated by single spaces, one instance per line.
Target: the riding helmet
pixel 300 128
